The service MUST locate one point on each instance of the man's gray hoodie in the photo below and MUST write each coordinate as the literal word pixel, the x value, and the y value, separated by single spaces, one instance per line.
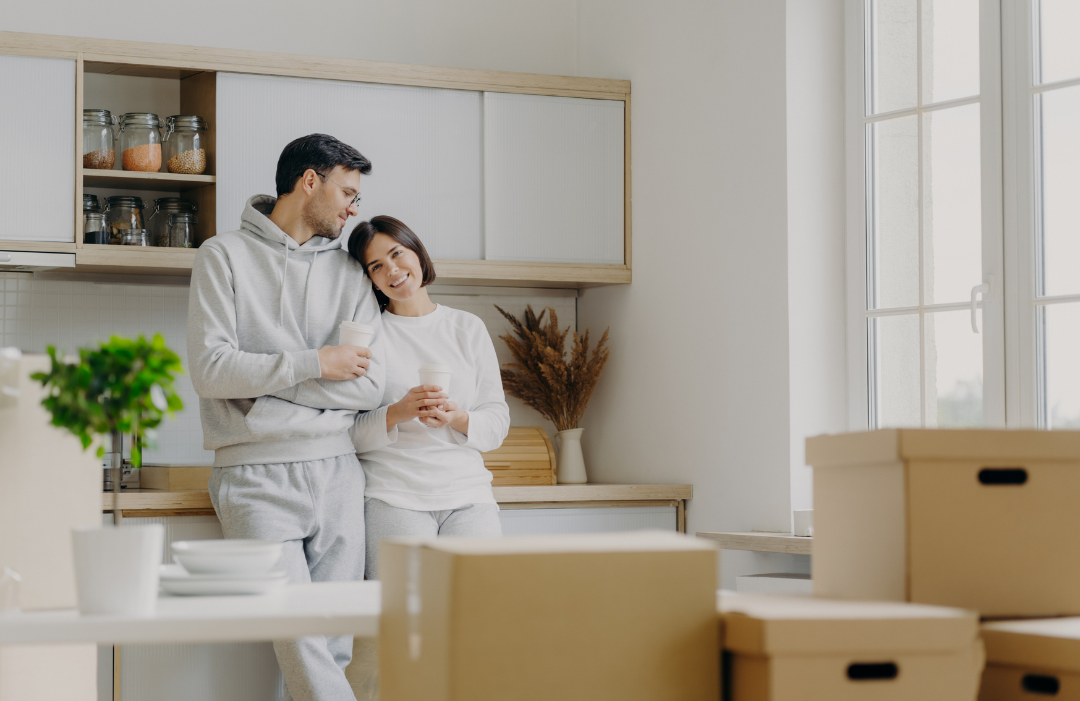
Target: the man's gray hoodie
pixel 260 308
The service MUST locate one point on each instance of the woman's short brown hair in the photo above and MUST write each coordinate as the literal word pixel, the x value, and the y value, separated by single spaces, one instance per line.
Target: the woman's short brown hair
pixel 364 233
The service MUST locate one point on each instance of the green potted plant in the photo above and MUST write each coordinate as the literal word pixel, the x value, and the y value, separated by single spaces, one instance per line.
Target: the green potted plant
pixel 122 387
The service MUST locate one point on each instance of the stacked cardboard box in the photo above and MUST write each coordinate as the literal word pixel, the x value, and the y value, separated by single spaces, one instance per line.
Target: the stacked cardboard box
pixel 983 520
pixel 627 616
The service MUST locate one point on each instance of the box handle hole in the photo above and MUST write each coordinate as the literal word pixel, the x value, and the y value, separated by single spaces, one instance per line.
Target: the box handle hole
pixel 1003 475
pixel 872 671
pixel 1041 684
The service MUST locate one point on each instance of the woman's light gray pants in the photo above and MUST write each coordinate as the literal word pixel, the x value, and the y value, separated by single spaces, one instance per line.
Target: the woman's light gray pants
pixel 385 521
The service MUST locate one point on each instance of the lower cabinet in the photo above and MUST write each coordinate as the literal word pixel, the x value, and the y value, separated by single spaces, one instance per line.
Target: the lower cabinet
pixel 249 671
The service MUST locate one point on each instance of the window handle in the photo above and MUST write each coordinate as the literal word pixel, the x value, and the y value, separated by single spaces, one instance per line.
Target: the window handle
pixel 983 289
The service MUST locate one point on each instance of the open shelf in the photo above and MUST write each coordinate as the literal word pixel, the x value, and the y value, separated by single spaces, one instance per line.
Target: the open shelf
pixel 131 180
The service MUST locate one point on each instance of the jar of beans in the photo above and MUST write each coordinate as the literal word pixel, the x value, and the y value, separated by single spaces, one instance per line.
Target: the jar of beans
pixel 140 142
pixel 98 152
pixel 158 222
pixel 182 230
pixel 123 213
pixel 185 144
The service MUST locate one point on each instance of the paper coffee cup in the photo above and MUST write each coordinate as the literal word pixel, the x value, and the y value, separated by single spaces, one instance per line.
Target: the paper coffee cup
pixel 436 374
pixel 353 333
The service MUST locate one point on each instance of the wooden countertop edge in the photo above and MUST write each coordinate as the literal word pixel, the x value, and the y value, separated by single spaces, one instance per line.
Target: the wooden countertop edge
pixel 147 500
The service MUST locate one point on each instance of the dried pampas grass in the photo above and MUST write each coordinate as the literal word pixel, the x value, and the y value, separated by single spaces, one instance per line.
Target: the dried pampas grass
pixel 541 376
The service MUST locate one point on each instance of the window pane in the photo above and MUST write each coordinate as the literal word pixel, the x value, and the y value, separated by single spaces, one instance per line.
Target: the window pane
pixel 894 212
pixel 952 217
pixel 1058 49
pixel 950 49
pixel 954 370
pixel 1062 372
pixel 895 393
pixel 892 46
pixel 1060 187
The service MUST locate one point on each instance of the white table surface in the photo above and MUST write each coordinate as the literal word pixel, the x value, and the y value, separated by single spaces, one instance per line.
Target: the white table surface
pixel 324 608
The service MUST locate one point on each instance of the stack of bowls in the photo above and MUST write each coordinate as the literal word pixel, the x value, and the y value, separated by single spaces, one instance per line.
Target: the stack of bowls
pixel 223 567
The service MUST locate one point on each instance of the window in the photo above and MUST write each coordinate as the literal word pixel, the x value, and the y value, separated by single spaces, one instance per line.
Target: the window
pixel 964 169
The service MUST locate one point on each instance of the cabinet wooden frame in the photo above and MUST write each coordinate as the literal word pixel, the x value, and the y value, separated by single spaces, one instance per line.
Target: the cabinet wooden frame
pixel 195 68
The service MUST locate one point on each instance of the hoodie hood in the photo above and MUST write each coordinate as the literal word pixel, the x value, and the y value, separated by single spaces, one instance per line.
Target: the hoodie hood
pixel 256 221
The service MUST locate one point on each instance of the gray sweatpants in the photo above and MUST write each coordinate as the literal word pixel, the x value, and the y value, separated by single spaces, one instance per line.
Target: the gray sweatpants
pixel 316 509
pixel 385 521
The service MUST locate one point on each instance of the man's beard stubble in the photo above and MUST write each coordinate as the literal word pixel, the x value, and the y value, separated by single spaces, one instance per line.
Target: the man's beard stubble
pixel 321 220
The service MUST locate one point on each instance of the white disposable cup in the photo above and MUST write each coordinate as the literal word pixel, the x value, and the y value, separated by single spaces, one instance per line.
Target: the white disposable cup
pixel 804 522
pixel 436 374
pixel 117 568
pixel 353 333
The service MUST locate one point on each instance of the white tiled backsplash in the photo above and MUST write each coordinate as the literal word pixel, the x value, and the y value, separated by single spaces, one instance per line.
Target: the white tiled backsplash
pixel 35 314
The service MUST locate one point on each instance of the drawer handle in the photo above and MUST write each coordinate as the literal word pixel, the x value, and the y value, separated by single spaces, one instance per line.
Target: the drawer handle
pixel 872 671
pixel 1041 684
pixel 1003 475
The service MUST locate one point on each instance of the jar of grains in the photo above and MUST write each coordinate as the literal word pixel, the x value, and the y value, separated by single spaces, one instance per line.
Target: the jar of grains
pixel 158 222
pixel 182 230
pixel 185 144
pixel 94 228
pixel 90 204
pixel 134 237
pixel 123 213
pixel 140 142
pixel 98 138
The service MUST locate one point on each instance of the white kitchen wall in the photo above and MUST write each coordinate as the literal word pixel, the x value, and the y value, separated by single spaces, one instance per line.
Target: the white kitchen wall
pixel 35 314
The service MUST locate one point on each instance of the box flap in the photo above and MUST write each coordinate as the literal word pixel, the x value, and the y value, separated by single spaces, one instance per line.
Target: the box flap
pixel 764 624
pixel 1048 643
pixel 887 445
pixel 630 541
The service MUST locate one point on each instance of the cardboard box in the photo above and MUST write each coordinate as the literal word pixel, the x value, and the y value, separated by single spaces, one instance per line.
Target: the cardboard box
pixel 619 616
pixel 174 478
pixel 975 519
pixel 782 648
pixel 1035 659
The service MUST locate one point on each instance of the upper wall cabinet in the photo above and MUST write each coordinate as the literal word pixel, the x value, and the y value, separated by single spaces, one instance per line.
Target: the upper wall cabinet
pixel 423 143
pixel 37 141
pixel 553 173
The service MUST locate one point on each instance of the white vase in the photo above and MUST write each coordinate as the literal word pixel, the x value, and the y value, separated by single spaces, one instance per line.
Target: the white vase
pixel 117 568
pixel 570 465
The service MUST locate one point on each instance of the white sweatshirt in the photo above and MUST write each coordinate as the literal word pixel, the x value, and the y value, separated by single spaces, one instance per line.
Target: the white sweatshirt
pixel 432 469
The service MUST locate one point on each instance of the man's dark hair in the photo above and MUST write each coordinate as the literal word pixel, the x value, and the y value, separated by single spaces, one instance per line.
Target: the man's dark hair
pixel 320 153
pixel 365 231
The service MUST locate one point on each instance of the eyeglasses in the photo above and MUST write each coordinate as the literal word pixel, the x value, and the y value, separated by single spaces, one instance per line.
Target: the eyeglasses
pixel 355 198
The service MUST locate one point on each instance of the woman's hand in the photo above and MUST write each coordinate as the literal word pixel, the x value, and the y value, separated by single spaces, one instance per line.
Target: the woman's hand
pixel 419 403
pixel 452 415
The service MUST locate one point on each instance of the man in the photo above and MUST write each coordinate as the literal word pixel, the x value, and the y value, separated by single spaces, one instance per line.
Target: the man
pixel 262 299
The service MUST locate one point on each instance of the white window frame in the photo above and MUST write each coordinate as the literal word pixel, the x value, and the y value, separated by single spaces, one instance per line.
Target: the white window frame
pixel 993 221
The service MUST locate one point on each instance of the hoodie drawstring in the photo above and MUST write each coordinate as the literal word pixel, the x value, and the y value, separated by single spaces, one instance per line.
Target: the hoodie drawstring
pixel 307 290
pixel 284 277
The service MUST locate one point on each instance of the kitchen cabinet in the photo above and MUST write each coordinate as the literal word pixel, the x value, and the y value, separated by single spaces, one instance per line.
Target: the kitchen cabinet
pixel 37 137
pixel 553 176
pixel 485 199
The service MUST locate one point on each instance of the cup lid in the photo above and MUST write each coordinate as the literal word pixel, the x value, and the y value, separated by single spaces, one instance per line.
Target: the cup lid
pixel 357 326
pixel 435 367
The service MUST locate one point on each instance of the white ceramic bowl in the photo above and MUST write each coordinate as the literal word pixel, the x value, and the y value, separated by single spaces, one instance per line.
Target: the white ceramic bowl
pixel 227 556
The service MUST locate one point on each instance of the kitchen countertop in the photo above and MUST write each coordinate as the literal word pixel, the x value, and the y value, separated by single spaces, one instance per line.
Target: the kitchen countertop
pixel 322 608
pixel 199 501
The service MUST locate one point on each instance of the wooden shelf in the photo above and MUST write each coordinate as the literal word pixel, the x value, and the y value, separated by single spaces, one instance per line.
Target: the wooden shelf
pixel 163 182
pixel 762 542
pixel 134 260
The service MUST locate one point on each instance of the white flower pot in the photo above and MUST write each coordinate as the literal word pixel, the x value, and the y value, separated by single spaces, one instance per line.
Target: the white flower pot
pixel 570 464
pixel 117 568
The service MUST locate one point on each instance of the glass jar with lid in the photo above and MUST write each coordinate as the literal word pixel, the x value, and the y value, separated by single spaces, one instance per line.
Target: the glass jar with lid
pixel 185 144
pixel 134 237
pixel 123 213
pixel 94 228
pixel 98 151
pixel 140 142
pixel 90 204
pixel 158 222
pixel 182 230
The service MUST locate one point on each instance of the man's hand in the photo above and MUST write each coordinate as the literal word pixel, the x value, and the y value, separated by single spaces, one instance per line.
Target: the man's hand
pixel 418 403
pixel 344 362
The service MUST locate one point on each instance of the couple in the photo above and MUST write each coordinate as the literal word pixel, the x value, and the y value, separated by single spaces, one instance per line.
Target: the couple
pixel 287 413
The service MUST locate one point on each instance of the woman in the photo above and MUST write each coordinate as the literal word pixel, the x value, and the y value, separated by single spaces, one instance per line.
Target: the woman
pixel 421 449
